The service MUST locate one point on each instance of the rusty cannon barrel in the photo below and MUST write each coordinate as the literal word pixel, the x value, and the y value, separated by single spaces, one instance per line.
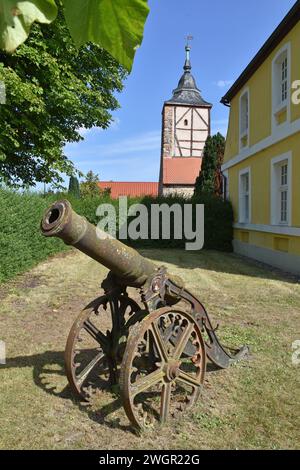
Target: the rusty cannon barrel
pixel 130 268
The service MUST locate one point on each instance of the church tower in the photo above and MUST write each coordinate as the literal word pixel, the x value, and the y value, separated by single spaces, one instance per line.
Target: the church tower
pixel 185 128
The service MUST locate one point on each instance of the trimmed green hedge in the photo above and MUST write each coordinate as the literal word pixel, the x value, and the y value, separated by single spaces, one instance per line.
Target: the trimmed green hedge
pixel 218 222
pixel 22 246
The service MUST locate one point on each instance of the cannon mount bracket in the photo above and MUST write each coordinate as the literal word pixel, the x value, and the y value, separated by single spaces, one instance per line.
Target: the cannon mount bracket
pixel 161 290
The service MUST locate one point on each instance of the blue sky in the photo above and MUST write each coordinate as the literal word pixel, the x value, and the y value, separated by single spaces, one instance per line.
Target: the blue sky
pixel 227 34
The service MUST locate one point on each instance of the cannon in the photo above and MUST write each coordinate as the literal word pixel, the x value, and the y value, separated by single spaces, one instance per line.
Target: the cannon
pixel 155 345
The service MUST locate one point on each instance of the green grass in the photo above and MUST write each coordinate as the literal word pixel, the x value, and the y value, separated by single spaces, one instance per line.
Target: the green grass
pixel 252 405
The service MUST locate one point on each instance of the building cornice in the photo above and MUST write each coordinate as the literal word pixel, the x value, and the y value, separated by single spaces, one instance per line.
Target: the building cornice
pixel 281 133
pixel 274 229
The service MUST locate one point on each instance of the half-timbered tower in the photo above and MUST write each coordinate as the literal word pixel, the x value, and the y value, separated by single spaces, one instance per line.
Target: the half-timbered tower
pixel 185 128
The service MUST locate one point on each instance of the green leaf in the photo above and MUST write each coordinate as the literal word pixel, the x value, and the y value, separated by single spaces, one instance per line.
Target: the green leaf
pixel 115 25
pixel 17 17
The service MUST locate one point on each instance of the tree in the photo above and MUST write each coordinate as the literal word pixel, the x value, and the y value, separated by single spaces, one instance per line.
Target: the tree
pixel 52 90
pixel 90 187
pixel 116 25
pixel 210 178
pixel 74 189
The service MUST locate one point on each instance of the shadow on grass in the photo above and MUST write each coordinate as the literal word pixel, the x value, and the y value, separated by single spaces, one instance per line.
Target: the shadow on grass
pixel 49 366
pixel 219 262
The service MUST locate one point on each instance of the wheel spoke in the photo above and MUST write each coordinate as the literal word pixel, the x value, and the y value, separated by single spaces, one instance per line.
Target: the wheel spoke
pixel 153 386
pixel 147 381
pixel 159 343
pixel 165 402
pixel 188 379
pixel 95 333
pixel 182 341
pixel 86 371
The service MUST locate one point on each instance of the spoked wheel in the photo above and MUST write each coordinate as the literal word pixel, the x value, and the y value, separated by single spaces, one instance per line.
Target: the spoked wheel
pixel 158 379
pixel 96 343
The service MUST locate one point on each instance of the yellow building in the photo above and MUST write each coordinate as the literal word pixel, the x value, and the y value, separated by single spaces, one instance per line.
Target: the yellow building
pixel 262 158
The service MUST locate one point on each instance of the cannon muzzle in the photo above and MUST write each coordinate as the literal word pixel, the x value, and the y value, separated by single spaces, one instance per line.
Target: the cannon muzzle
pixel 131 269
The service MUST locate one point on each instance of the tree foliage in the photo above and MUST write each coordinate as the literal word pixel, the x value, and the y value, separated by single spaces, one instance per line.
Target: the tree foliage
pixel 210 178
pixel 116 25
pixel 90 187
pixel 52 90
pixel 74 189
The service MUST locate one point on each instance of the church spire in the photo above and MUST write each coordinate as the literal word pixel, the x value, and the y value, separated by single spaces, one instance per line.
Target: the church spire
pixel 187 91
pixel 187 66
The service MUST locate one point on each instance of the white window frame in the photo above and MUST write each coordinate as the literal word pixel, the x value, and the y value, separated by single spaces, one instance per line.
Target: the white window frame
pixel 276 189
pixel 242 216
pixel 279 106
pixel 226 193
pixel 244 132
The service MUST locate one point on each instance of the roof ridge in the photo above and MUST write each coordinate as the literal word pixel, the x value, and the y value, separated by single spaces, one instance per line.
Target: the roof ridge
pixel 285 26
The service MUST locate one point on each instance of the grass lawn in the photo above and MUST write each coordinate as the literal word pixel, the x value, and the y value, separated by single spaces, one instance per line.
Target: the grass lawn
pixel 254 404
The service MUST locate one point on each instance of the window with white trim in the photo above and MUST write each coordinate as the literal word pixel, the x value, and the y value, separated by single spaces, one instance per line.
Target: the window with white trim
pixel 284 79
pixel 281 86
pixel 281 182
pixel 244 119
pixel 283 193
pixel 244 196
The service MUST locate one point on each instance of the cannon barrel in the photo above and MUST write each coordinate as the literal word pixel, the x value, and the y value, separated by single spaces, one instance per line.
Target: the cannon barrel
pixel 130 268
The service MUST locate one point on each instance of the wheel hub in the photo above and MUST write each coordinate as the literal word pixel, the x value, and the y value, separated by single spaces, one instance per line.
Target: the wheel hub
pixel 172 371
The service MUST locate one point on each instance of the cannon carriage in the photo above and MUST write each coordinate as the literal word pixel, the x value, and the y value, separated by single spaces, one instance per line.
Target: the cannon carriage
pixel 155 347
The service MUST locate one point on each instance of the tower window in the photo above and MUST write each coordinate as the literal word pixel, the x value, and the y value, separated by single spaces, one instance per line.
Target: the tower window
pixel 186 122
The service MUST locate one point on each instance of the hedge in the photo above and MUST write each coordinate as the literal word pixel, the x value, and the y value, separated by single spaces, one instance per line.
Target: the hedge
pixel 218 222
pixel 22 246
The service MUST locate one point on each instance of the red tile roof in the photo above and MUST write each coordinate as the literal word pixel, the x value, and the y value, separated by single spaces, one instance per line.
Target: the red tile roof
pixel 181 170
pixel 135 189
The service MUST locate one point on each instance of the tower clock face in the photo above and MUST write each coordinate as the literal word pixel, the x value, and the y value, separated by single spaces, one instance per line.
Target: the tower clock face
pixel 191 128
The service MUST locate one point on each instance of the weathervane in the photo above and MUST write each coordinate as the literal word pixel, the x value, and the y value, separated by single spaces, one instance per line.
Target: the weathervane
pixel 188 40
pixel 187 65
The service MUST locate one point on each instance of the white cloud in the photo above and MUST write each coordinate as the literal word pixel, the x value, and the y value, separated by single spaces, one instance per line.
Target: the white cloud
pixel 115 124
pixel 140 143
pixel 223 83
pixel 83 131
pixel 148 141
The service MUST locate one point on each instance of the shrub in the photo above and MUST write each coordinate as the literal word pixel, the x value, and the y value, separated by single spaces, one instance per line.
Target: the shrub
pixel 210 178
pixel 74 189
pixel 218 222
pixel 90 187
pixel 22 246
